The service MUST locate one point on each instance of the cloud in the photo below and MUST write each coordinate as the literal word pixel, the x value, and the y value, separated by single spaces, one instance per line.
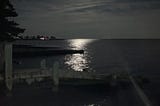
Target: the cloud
pixel 119 6
pixel 90 18
pixel 136 1
pixel 97 6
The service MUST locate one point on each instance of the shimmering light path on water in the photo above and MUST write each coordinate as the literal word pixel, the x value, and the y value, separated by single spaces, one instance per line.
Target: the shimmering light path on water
pixel 78 62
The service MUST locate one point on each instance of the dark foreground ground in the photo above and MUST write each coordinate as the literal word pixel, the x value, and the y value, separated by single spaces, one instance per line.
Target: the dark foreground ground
pixel 69 95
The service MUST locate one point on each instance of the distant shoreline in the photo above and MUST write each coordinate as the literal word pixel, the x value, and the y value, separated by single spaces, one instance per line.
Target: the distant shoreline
pixel 90 38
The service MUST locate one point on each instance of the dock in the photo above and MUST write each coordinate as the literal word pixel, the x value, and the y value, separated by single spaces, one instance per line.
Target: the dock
pixel 57 76
pixel 29 50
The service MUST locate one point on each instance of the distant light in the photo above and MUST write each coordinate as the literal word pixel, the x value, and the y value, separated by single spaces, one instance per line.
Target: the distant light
pixel 42 38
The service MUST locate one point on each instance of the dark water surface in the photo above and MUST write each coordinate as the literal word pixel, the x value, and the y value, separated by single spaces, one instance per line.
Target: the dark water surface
pixel 139 57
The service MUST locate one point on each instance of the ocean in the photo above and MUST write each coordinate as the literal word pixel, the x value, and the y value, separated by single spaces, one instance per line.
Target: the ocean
pixel 101 56
pixel 140 57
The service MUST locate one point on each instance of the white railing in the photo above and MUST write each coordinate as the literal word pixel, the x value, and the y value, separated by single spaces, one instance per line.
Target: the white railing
pixel 31 75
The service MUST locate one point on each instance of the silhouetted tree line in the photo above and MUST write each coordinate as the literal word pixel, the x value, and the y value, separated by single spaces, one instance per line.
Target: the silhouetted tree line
pixel 38 37
pixel 8 28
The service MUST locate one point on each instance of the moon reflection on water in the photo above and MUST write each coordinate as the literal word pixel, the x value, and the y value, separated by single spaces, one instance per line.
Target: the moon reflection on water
pixel 78 62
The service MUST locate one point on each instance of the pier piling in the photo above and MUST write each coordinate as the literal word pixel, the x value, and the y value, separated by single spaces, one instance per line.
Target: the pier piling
pixel 55 76
pixel 8 66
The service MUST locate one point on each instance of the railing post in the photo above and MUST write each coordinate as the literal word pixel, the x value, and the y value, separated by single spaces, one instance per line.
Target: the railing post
pixel 43 64
pixel 55 76
pixel 8 66
pixel 2 70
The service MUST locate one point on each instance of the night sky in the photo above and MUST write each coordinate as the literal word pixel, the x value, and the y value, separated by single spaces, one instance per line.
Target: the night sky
pixel 90 18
